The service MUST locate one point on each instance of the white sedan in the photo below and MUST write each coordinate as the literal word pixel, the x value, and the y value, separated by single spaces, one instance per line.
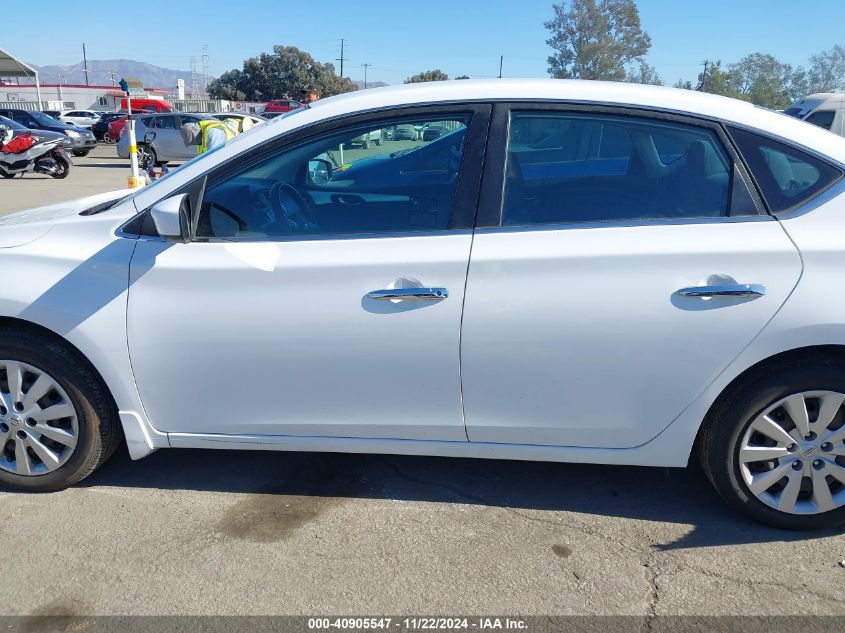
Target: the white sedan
pixel 570 271
pixel 80 118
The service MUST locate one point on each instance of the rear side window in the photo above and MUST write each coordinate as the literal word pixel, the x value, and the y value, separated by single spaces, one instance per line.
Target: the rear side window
pixel 788 177
pixel 571 167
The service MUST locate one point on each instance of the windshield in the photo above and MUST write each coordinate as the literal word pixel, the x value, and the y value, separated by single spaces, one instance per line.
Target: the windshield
pixel 44 119
pixel 12 125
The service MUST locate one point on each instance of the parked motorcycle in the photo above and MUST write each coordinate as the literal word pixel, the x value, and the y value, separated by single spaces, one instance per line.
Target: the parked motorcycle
pixel 45 157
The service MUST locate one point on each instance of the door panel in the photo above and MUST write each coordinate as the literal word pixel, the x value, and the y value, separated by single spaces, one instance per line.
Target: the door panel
pixel 579 338
pixel 278 338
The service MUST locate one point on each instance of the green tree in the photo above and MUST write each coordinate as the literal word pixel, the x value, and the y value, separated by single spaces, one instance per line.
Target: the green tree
pixel 428 75
pixel 643 73
pixel 827 71
pixel 761 79
pixel 683 84
pixel 595 39
pixel 285 71
pixel 715 80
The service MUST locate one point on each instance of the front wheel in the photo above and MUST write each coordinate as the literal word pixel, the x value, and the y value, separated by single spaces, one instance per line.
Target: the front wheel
pixel 57 421
pixel 774 447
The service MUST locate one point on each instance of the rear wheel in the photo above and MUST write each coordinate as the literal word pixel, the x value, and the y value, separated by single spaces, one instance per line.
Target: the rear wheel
pixel 774 448
pixel 62 167
pixel 57 421
pixel 79 153
pixel 146 157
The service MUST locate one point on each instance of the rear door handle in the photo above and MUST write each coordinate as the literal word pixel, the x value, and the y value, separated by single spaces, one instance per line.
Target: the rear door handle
pixel 430 294
pixel 731 290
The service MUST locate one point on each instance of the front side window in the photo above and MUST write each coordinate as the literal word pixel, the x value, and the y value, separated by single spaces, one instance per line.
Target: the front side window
pixel 570 167
pixel 165 122
pixel 787 176
pixel 822 118
pixel 358 180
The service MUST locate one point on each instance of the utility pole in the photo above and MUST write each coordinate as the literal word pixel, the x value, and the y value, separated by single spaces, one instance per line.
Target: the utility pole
pixel 205 71
pixel 365 74
pixel 501 61
pixel 341 58
pixel 193 78
pixel 703 83
pixel 85 62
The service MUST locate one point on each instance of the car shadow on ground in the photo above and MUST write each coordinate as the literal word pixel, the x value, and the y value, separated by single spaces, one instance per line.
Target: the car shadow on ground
pixel 682 496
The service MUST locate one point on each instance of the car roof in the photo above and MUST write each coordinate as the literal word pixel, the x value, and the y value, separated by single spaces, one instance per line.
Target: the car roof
pixel 676 100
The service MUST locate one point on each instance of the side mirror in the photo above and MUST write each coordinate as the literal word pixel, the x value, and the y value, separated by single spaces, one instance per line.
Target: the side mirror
pixel 171 220
pixel 319 171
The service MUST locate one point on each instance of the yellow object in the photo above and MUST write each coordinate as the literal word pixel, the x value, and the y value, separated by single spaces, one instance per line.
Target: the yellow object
pixel 205 126
pixel 133 149
pixel 136 182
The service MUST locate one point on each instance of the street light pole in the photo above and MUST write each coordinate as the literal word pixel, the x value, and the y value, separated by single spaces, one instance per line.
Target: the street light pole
pixel 365 74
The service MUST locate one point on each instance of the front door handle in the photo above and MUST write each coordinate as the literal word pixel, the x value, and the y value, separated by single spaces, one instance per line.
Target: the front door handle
pixel 431 294
pixel 731 290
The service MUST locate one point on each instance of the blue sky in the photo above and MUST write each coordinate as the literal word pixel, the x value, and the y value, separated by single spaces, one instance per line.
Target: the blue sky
pixel 401 38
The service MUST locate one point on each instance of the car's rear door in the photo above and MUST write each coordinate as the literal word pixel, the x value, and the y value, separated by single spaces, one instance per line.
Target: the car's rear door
pixel 275 320
pixel 621 262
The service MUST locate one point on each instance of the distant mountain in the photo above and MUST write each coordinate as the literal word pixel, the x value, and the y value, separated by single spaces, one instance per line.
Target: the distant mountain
pixel 99 71
pixel 370 84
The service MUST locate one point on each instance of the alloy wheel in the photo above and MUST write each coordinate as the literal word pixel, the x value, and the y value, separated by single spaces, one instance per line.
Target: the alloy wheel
pixel 39 426
pixel 792 455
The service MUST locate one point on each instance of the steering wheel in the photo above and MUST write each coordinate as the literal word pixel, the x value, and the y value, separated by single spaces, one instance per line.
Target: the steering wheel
pixel 296 212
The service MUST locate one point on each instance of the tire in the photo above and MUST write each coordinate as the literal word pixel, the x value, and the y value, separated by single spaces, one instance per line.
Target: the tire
pixel 7 175
pixel 727 429
pixel 365 145
pixel 63 165
pixel 146 157
pixel 98 430
pixel 79 153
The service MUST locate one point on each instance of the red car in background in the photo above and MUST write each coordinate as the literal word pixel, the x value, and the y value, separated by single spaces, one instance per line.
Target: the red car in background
pixel 118 126
pixel 281 105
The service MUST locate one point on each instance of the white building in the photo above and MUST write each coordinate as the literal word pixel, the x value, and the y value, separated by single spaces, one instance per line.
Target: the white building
pixel 68 96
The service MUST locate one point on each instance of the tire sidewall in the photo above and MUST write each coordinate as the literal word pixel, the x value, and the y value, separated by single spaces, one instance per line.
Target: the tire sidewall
pixel 88 438
pixel 732 422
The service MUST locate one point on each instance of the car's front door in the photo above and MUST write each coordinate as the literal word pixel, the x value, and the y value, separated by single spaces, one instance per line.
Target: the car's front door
pixel 624 266
pixel 287 317
pixel 168 141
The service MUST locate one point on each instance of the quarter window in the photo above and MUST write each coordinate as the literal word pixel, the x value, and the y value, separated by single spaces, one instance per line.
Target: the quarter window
pixel 822 118
pixel 378 178
pixel 788 177
pixel 580 167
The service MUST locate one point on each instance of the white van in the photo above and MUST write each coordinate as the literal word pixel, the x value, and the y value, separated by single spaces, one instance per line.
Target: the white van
pixel 825 109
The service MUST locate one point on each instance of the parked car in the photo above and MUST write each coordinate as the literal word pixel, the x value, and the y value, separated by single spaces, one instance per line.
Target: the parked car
pixel 83 140
pixel 253 118
pixel 53 113
pixel 431 133
pixel 80 118
pixel 404 133
pixel 38 135
pixel 825 109
pixel 661 279
pixel 163 129
pixel 101 127
pixel 273 115
pixel 364 140
pixel 281 105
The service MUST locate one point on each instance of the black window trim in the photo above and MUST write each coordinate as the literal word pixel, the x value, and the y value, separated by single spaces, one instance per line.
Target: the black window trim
pixel 835 187
pixel 492 188
pixel 466 191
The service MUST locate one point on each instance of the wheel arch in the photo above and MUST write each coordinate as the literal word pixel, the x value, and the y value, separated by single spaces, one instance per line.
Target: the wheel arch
pixel 6 321
pixel 810 352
